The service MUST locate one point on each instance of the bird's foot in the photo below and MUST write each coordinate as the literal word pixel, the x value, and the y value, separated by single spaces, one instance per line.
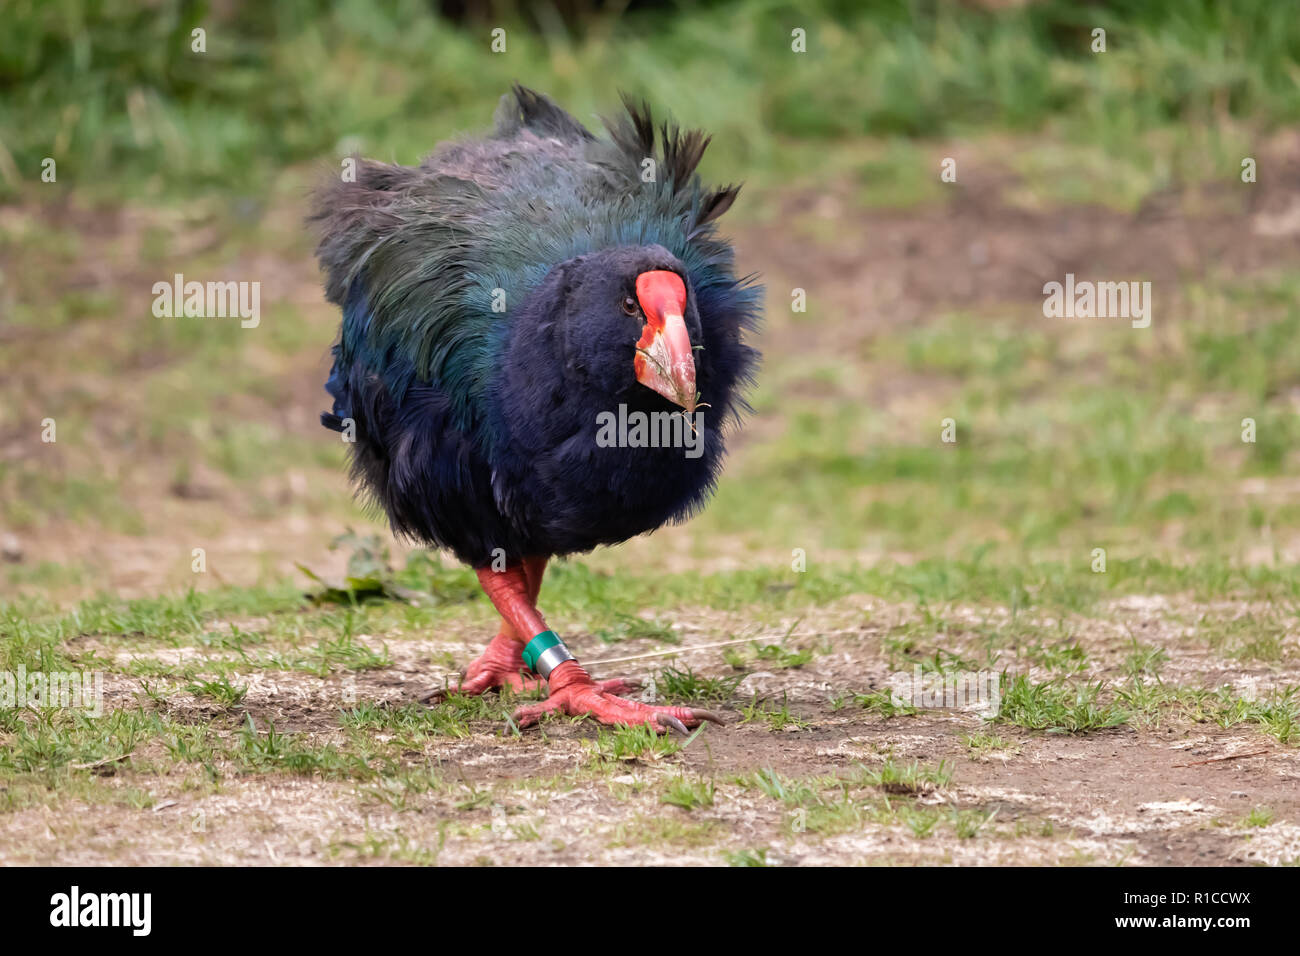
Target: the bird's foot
pixel 500 665
pixel 574 693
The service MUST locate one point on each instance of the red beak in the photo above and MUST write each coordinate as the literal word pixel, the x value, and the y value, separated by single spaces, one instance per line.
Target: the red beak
pixel 664 361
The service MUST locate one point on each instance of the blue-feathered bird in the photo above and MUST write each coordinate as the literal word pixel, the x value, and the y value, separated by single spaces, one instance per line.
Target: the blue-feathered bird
pixel 504 303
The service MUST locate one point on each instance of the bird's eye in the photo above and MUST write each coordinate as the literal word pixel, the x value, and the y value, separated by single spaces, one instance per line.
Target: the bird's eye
pixel 630 305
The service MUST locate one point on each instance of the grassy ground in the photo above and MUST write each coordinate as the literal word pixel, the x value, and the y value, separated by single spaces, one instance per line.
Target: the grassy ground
pixel 1150 710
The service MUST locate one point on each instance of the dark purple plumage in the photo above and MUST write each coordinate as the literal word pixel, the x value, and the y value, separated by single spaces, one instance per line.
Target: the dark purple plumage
pixel 476 426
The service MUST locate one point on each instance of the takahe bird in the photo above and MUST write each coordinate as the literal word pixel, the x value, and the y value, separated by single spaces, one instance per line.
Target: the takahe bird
pixel 497 299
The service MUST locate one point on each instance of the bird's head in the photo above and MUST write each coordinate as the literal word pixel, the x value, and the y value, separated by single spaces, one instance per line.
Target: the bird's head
pixel 629 321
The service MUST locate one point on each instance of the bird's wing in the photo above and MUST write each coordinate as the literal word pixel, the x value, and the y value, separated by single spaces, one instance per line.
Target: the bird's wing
pixel 397 246
pixel 428 262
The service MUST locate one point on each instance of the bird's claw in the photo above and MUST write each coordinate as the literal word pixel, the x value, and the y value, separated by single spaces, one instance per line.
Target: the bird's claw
pixel 671 722
pixel 433 697
pixel 577 695
pixel 437 695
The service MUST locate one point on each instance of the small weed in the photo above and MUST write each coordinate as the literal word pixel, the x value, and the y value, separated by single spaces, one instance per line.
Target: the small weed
pixel 1057 706
pixel 639 742
pixel 747 858
pixel 777 719
pixel 1258 817
pixel 885 704
pixel 683 684
pixel 221 690
pixel 688 794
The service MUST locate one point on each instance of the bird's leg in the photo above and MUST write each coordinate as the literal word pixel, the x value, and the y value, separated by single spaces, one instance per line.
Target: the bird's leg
pixel 513 592
pixel 572 691
pixel 501 664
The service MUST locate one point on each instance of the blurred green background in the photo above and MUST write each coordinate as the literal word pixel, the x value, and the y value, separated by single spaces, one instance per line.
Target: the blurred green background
pixel 924 297
pixel 114 93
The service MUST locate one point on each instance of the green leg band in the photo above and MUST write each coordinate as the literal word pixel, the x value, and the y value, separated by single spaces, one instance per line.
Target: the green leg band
pixel 545 652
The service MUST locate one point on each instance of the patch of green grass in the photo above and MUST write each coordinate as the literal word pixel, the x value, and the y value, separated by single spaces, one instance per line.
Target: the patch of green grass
pixel 688 793
pixel 1147 700
pixel 981 745
pixel 40 493
pixel 232 637
pixel 34 632
pixel 1058 657
pixel 1145 659
pixel 260 752
pixel 658 831
pixel 629 627
pixel 901 648
pixel 789 791
pixel 413 722
pixel 221 690
pixel 968 824
pixel 638 742
pixel 885 795
pixel 1265 647
pixel 1058 706
pixel 395 847
pixel 1251 636
pixel 397 789
pixel 525 832
pixel 198 744
pixel 919 819
pixel 911 778
pixel 683 684
pixel 772 656
pixel 884 704
pixel 779 658
pixel 1258 817
pixel 45 576
pixel 836 812
pixel 57 742
pixel 777 719
pixel 344 652
pixel 1069 437
pixel 735 659
pixel 756 857
pixel 1278 714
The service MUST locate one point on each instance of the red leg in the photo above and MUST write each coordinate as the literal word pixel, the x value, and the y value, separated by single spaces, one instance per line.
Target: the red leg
pixel 513 592
pixel 501 664
pixel 534 569
pixel 572 691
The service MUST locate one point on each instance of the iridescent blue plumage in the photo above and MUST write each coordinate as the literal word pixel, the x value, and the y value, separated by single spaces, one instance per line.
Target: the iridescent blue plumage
pixel 482 339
